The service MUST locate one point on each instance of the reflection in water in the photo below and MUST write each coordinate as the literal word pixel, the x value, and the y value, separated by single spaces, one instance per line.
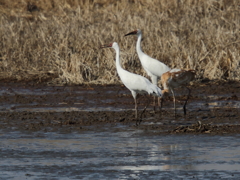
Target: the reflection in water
pixel 128 154
pixel 109 154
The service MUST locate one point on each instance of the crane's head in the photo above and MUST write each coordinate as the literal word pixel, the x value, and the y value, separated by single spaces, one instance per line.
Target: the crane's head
pixel 112 45
pixel 135 32
pixel 106 45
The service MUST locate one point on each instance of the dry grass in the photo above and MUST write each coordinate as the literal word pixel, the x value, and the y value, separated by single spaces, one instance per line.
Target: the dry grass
pixel 42 40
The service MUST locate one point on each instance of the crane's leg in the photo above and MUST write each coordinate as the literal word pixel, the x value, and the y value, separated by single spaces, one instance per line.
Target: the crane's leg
pixel 174 102
pixel 140 119
pixel 184 106
pixel 134 94
pixel 154 104
pixel 136 108
pixel 160 104
pixel 148 102
pixel 136 112
pixel 154 80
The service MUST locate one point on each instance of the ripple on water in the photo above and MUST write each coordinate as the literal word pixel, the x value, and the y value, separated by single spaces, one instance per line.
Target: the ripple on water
pixel 124 154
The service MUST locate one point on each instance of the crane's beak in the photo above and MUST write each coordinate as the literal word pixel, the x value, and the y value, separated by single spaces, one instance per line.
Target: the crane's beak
pixel 105 46
pixel 131 33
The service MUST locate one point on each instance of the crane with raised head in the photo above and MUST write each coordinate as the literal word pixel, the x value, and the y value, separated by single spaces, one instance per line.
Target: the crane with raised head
pixel 176 78
pixel 153 67
pixel 137 84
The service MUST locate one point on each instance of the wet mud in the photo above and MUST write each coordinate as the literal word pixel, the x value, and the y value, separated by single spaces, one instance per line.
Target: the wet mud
pixel 213 108
pixel 89 132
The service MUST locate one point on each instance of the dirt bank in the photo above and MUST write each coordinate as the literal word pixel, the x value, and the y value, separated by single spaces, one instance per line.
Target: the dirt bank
pixel 212 109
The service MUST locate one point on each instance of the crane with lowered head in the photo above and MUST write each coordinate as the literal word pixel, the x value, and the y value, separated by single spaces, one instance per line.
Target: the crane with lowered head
pixel 176 78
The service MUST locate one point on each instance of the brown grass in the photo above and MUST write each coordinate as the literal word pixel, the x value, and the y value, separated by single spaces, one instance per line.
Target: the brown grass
pixel 60 39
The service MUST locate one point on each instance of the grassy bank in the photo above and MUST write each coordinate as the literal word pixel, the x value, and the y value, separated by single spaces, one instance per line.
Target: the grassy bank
pixel 58 40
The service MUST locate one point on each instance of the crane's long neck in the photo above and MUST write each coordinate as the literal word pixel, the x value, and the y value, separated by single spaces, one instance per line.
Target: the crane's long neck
pixel 118 62
pixel 138 46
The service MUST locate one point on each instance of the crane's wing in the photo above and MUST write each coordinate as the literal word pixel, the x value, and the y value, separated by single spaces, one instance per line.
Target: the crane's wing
pixel 183 77
pixel 139 84
pixel 154 66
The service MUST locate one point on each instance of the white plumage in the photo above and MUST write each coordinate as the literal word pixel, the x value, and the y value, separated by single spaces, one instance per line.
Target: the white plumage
pixel 153 67
pixel 135 83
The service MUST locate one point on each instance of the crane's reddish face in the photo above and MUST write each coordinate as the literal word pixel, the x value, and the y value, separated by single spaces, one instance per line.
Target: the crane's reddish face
pixel 106 45
pixel 132 33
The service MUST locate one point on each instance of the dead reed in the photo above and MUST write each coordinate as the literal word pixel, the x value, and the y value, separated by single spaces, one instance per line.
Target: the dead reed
pixel 60 39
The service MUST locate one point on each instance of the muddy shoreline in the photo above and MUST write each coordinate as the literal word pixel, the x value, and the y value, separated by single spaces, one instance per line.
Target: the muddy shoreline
pixel 80 108
pixel 89 132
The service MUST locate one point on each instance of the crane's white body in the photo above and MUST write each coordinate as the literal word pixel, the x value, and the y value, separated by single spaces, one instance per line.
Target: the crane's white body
pixel 153 67
pixel 135 83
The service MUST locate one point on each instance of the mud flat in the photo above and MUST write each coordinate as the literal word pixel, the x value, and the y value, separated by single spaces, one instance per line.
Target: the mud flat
pixel 83 132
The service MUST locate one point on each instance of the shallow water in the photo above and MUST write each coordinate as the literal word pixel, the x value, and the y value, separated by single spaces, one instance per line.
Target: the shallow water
pixel 117 155
pixel 111 151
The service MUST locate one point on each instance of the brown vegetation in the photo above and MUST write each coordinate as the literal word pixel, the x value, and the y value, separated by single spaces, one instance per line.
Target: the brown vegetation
pixel 59 39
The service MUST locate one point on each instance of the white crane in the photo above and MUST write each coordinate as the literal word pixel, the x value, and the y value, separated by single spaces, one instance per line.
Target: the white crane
pixel 153 67
pixel 135 83
pixel 176 78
